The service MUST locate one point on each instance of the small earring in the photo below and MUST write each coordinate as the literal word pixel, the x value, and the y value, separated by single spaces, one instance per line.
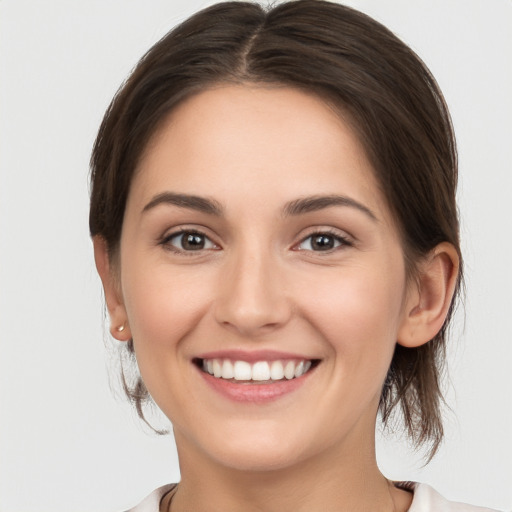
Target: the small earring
pixel 120 328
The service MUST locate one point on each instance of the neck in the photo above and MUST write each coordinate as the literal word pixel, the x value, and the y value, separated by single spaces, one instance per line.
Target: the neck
pixel 338 480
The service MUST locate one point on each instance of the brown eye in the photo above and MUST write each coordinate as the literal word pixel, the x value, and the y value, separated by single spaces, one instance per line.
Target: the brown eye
pixel 192 241
pixel 319 242
pixel 322 242
pixel 189 241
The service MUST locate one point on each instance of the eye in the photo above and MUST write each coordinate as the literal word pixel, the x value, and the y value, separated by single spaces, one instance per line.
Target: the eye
pixel 323 242
pixel 188 241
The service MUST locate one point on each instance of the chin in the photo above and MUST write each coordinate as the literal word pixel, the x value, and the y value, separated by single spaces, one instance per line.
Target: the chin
pixel 258 451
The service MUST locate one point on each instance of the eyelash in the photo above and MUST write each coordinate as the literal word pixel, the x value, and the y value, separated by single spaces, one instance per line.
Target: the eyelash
pixel 339 241
pixel 166 241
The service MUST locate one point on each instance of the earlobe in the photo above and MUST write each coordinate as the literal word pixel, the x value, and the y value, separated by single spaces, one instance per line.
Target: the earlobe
pixel 429 301
pixel 119 328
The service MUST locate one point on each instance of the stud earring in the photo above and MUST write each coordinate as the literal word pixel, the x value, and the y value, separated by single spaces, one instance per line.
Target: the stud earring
pixel 120 328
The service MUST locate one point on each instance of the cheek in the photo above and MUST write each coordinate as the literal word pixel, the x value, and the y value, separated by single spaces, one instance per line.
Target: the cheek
pixel 358 312
pixel 163 305
pixel 163 308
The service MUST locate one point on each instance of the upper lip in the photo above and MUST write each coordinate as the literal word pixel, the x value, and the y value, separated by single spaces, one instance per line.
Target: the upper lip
pixel 253 356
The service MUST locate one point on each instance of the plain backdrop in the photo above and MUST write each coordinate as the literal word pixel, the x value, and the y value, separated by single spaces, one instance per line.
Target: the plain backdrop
pixel 66 442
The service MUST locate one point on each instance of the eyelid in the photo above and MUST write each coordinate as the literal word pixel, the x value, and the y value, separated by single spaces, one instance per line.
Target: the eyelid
pixel 340 236
pixel 166 238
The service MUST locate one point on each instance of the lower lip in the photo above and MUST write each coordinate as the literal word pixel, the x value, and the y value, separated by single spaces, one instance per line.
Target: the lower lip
pixel 254 392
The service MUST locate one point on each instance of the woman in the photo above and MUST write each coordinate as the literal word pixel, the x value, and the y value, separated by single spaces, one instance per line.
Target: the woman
pixel 274 223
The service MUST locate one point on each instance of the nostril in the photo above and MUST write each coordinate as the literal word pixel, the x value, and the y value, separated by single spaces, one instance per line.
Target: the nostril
pixel 251 299
pixel 251 321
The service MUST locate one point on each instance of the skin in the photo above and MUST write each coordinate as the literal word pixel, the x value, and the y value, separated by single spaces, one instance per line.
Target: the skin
pixel 259 284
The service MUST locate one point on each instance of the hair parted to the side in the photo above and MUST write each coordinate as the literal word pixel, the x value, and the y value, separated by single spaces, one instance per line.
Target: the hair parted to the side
pixel 373 80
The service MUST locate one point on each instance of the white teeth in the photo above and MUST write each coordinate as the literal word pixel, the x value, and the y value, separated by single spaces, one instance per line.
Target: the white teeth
pixel 289 370
pixel 259 371
pixel 243 370
pixel 227 369
pixel 217 368
pixel 276 370
pixel 299 369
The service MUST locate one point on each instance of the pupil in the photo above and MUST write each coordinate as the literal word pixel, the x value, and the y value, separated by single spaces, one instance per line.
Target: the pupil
pixel 193 242
pixel 323 242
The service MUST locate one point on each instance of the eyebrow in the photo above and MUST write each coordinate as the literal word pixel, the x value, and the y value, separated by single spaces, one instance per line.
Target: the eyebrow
pixel 316 203
pixel 198 203
pixel 296 207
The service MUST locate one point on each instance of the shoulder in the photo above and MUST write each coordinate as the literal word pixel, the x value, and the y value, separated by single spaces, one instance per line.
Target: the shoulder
pixel 427 499
pixel 152 502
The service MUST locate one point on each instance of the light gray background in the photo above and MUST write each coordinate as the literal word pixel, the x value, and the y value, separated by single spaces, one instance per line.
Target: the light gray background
pixel 66 444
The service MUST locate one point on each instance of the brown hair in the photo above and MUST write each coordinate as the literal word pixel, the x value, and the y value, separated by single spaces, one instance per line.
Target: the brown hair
pixel 355 64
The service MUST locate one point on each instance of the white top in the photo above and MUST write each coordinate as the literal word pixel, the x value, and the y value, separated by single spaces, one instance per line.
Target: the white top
pixel 425 499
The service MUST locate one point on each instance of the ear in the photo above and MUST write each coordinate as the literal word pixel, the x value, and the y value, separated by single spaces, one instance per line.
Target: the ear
pixel 119 327
pixel 430 296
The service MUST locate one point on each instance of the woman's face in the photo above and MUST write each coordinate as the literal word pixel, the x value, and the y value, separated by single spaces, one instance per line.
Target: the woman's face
pixel 256 244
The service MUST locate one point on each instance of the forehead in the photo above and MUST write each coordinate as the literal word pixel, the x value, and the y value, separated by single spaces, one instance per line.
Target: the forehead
pixel 251 138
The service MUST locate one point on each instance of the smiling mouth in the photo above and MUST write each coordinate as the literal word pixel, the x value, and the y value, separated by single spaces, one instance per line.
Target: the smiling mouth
pixel 263 372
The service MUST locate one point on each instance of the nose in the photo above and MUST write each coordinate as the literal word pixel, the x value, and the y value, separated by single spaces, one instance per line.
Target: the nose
pixel 252 298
